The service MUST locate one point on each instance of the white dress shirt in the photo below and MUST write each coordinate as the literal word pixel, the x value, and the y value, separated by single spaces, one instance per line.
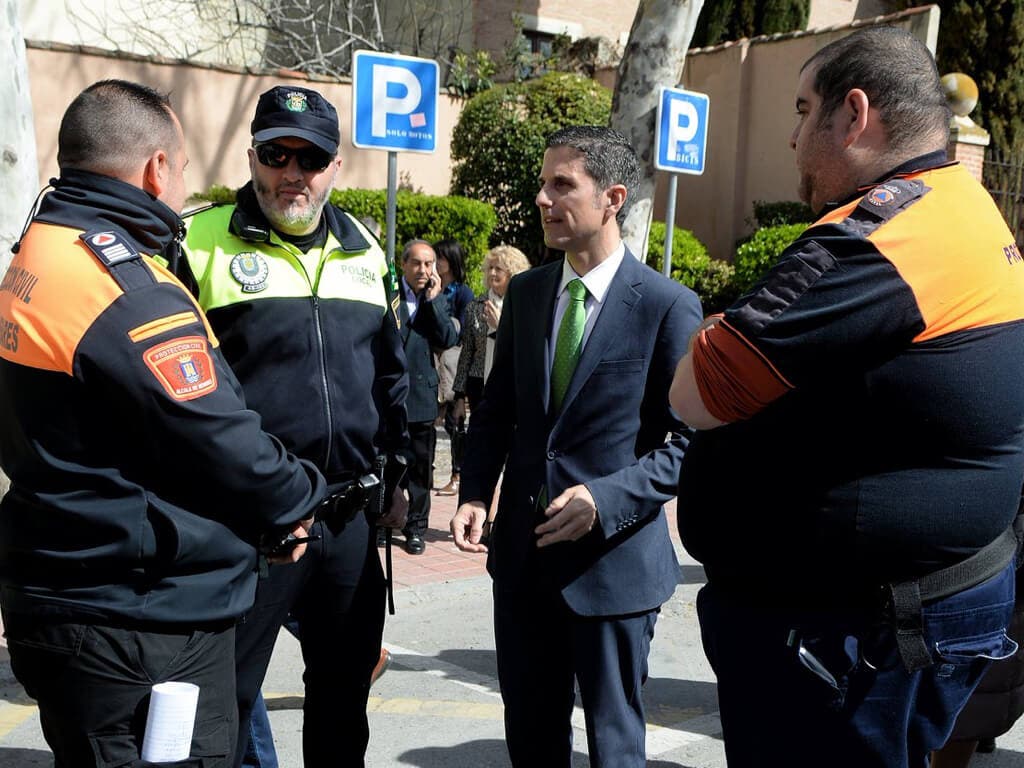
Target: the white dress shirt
pixel 411 300
pixel 597 282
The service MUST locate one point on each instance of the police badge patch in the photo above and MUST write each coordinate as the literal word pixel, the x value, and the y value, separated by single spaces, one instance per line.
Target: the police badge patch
pixel 296 101
pixel 251 271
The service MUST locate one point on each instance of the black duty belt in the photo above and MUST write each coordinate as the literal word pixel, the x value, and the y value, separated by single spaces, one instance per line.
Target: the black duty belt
pixel 909 596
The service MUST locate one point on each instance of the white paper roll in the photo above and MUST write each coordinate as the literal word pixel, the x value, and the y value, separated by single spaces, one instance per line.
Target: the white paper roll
pixel 169 722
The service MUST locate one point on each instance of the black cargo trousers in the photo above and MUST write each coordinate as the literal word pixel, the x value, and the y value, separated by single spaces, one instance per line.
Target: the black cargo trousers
pixel 92 683
pixel 336 592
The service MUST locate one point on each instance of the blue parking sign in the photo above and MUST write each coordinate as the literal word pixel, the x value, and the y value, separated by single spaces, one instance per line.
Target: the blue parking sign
pixel 394 102
pixel 681 131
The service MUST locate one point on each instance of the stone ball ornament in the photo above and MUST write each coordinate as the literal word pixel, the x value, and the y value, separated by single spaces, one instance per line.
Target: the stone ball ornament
pixel 961 92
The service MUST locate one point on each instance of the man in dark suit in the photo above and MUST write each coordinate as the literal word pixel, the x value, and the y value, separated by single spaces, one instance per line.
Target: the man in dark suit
pixel 576 412
pixel 425 326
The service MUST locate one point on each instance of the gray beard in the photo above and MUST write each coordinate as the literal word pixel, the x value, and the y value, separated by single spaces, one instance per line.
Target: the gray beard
pixel 289 220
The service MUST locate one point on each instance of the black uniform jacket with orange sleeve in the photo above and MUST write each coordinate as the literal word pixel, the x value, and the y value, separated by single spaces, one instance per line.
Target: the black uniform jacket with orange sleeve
pixel 873 385
pixel 139 481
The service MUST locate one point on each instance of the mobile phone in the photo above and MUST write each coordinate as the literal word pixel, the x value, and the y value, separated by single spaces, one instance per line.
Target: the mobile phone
pixel 289 542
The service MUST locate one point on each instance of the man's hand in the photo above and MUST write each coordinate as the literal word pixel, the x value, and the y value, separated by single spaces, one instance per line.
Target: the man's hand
pixel 397 511
pixel 570 515
pixel 433 284
pixel 491 315
pixel 468 525
pixel 300 531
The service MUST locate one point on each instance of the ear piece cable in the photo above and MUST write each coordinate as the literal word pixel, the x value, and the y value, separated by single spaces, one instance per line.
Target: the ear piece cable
pixel 51 184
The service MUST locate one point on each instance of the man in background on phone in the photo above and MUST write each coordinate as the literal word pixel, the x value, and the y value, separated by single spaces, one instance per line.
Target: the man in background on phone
pixel 426 326
pixel 299 293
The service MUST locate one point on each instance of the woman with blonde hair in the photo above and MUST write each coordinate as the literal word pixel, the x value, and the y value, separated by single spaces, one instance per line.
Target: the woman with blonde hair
pixel 480 325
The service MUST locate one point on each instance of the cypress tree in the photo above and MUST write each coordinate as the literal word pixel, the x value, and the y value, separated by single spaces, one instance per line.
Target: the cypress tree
pixel 722 20
pixel 985 39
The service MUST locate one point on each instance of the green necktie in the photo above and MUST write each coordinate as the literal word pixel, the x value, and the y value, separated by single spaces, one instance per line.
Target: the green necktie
pixel 570 341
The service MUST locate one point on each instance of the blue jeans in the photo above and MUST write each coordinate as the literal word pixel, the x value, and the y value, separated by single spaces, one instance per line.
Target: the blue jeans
pixel 824 689
pixel 260 753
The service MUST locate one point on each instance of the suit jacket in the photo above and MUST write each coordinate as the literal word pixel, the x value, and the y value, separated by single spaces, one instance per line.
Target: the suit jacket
pixel 610 434
pixel 431 328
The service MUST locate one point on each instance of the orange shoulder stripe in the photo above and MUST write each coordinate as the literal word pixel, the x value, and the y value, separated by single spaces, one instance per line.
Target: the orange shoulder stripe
pixel 165 276
pixel 54 291
pixel 955 225
pixel 70 290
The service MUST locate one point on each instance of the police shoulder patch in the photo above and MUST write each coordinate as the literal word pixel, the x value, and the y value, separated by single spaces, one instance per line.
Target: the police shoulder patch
pixel 183 367
pixel 110 247
pixel 250 270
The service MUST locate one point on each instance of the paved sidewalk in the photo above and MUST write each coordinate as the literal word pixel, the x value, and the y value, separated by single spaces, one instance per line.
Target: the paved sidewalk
pixel 441 561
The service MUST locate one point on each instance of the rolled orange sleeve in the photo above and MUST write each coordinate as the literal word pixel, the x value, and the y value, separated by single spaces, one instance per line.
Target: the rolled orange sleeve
pixel 734 379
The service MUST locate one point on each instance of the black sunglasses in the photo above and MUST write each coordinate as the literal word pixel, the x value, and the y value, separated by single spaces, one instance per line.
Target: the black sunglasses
pixel 309 158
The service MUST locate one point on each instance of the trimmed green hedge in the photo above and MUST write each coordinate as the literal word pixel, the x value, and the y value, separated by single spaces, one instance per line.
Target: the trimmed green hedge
pixel 757 255
pixel 709 278
pixel 785 212
pixel 429 217
pixel 498 146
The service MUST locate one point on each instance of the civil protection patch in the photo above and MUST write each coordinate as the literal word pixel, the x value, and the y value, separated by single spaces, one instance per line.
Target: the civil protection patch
pixel 251 271
pixel 883 195
pixel 110 247
pixel 183 367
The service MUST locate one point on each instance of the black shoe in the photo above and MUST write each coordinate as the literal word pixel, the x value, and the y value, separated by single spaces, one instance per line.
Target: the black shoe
pixel 986 746
pixel 415 545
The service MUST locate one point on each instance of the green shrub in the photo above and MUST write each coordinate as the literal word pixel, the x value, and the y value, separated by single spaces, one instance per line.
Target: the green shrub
pixel 787 212
pixel 498 146
pixel 709 278
pixel 760 252
pixel 429 217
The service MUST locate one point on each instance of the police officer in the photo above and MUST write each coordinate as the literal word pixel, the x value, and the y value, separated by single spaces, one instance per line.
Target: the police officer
pixel 299 293
pixel 140 483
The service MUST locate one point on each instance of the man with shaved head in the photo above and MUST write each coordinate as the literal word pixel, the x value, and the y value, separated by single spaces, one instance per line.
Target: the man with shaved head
pixel 140 483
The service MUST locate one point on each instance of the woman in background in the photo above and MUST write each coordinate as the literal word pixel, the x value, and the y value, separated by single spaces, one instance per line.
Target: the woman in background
pixel 451 260
pixel 481 324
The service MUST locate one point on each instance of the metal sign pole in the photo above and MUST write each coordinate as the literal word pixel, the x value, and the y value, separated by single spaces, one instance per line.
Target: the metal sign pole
pixel 670 224
pixel 391 212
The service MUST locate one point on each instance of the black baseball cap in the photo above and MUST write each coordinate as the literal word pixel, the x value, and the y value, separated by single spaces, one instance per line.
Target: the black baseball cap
pixel 299 112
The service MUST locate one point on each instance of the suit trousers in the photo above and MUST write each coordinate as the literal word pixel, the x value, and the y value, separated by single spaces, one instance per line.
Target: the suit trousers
pixel 336 592
pixel 423 438
pixel 93 681
pixel 543 648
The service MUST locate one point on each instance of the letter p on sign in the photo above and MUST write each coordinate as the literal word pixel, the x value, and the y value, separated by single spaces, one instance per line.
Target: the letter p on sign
pixel 681 131
pixel 394 104
pixel 387 80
